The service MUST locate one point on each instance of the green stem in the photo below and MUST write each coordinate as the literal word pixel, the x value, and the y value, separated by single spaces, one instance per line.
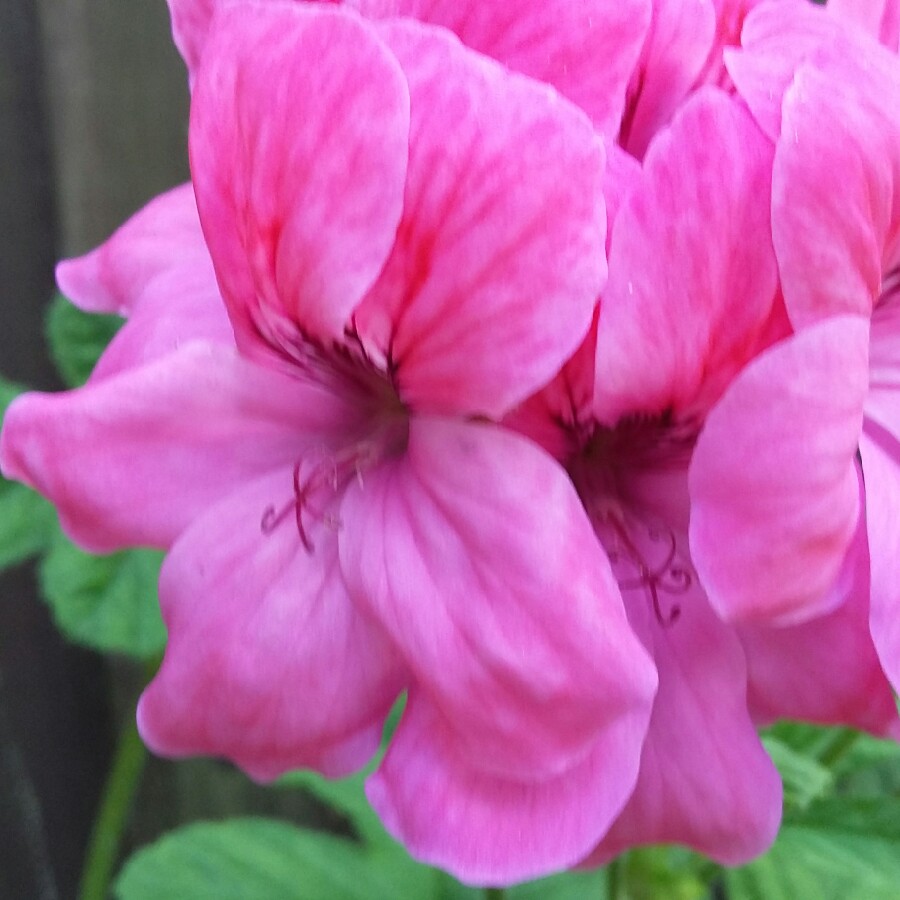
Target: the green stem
pixel 115 805
pixel 614 880
pixel 841 744
pixel 494 893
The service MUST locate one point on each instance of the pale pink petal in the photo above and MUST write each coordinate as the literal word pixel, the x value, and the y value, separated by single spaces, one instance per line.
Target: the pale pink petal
pixel 881 469
pixel 164 237
pixel 179 306
pixel 692 271
pixel 881 18
pixel 586 50
pixel 772 480
pixel 557 417
pixel 776 38
pixel 498 260
pixel 705 780
pixel 491 830
pixel 476 554
pixel 825 670
pixel 883 401
pixel 841 120
pixel 622 176
pixel 134 458
pixel 268 662
pixel 299 131
pixel 678 43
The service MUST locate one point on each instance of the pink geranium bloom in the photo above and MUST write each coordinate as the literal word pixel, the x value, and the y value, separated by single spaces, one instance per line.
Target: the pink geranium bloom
pixel 679 316
pixel 408 241
pixel 693 296
pixel 832 104
pixel 586 50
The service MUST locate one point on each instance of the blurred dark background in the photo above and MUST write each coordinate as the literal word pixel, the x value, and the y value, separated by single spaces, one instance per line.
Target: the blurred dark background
pixel 93 122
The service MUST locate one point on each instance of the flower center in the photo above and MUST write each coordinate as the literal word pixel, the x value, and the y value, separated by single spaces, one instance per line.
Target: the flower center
pixel 668 575
pixel 642 550
pixel 316 484
pixel 350 366
pixel 319 480
pixel 358 376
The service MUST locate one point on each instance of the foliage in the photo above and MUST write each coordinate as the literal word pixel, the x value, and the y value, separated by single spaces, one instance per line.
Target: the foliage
pixel 77 339
pixel 105 602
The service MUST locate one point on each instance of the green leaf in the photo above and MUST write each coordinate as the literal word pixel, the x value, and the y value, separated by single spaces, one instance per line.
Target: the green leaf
pixel 870 767
pixel 805 779
pixel 567 886
pixel 77 339
pixel 841 848
pixel 262 859
pixel 347 796
pixel 9 390
pixel 105 602
pixel 27 523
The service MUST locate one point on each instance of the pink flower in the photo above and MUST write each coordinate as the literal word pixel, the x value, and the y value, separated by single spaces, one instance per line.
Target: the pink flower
pixel 692 299
pixel 679 316
pixel 408 241
pixel 831 105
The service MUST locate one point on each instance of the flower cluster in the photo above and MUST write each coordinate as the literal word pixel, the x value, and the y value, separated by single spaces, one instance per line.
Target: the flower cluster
pixel 538 360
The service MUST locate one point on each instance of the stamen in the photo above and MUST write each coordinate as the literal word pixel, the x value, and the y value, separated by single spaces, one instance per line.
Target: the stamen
pixel 669 576
pixel 329 475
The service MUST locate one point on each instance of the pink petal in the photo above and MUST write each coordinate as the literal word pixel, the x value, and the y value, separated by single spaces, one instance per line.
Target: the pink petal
pixel 553 417
pixel 299 131
pixel 132 459
pixel 623 175
pixel 841 121
pixel 881 18
pixel 179 306
pixel 881 469
pixel 678 43
pixel 163 238
pixel 498 261
pixel 692 271
pixel 776 38
pixel 772 480
pixel 476 554
pixel 491 830
pixel 730 16
pixel 825 670
pixel 883 401
pixel 555 41
pixel 705 779
pixel 268 662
